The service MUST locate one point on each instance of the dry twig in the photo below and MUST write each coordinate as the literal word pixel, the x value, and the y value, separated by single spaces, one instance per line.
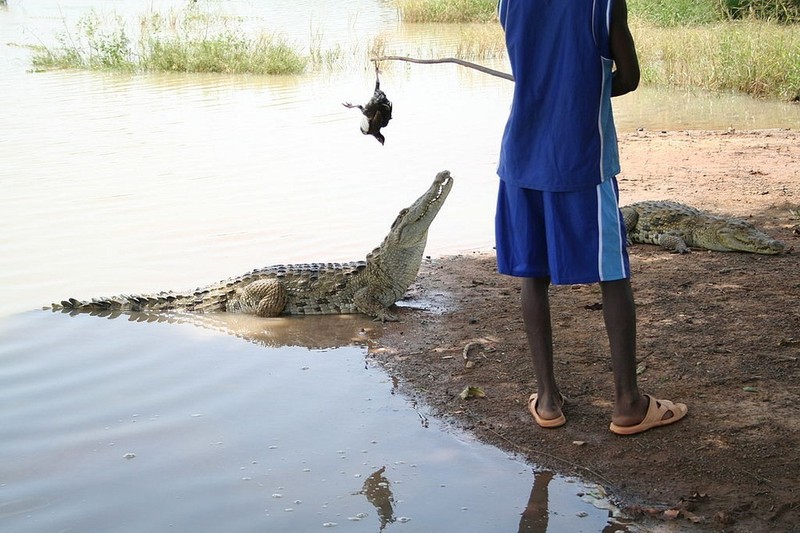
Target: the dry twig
pixel 463 63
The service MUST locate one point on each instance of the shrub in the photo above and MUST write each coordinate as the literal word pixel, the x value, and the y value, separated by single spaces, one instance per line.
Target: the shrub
pixel 785 11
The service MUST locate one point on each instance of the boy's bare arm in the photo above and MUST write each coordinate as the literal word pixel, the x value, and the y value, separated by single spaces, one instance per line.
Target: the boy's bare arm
pixel 623 52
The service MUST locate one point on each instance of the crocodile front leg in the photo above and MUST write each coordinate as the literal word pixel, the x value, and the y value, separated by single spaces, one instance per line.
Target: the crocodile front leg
pixel 673 243
pixel 630 218
pixel 263 297
pixel 370 304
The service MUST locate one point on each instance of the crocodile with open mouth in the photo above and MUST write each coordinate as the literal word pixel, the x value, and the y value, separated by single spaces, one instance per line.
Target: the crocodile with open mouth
pixel 369 287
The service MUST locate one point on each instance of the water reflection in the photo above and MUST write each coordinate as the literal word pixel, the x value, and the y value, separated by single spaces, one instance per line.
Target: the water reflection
pixel 536 515
pixel 234 436
pixel 379 494
pixel 313 332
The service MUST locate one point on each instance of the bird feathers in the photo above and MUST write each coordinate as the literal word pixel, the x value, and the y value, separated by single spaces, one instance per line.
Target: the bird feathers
pixel 377 111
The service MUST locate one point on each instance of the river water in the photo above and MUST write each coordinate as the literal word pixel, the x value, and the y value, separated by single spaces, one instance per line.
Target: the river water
pixel 118 183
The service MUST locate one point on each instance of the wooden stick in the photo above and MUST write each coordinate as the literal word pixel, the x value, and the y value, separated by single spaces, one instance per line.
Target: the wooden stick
pixel 468 64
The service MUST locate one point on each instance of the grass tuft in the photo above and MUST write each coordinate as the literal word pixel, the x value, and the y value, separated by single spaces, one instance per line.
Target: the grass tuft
pixel 669 13
pixel 480 41
pixel 447 11
pixel 185 41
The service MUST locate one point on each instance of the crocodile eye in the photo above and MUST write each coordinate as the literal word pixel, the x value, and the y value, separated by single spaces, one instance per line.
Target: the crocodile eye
pixel 400 217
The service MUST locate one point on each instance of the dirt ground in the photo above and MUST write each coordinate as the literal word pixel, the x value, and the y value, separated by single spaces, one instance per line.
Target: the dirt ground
pixel 718 331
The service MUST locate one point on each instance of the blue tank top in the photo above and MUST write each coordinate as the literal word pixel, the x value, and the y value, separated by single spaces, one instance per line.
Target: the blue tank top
pixel 560 133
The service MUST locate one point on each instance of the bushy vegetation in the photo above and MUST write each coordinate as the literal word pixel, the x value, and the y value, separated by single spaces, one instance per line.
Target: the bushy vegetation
pixel 480 41
pixel 751 46
pixel 191 40
pixel 674 12
pixel 447 10
pixel 185 41
pixel 757 58
pixel 694 12
pixel 783 11
pixel 743 45
pixel 659 12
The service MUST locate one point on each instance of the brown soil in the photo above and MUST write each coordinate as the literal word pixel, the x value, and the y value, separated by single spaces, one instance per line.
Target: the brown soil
pixel 718 331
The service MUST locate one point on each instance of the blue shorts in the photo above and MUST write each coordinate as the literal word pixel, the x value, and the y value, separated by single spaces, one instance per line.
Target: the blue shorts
pixel 570 237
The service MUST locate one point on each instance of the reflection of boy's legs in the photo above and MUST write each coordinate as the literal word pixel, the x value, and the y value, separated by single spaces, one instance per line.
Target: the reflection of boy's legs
pixel 535 517
pixel 376 489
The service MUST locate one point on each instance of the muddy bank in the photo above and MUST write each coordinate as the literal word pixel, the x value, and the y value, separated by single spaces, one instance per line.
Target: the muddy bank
pixel 719 331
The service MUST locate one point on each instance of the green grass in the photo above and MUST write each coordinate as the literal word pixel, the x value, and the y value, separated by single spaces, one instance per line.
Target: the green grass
pixel 190 40
pixel 681 43
pixel 752 46
pixel 783 11
pixel 667 13
pixel 224 53
pixel 480 41
pixel 758 58
pixel 184 41
pixel 659 12
pixel 448 11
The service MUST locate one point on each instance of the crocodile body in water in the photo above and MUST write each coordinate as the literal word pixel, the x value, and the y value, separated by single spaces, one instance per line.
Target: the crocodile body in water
pixel 678 227
pixel 369 287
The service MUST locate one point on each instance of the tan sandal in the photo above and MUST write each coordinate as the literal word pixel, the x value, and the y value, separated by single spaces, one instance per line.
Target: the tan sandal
pixel 654 417
pixel 544 422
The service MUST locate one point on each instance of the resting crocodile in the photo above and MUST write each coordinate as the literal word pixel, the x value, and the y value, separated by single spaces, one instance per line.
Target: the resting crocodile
pixel 369 287
pixel 678 227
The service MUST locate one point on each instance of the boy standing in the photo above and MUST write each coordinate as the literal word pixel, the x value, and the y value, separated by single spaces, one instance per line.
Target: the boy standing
pixel 558 218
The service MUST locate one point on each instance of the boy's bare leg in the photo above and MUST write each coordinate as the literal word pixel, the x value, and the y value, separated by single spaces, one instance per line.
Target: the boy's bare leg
pixel 536 315
pixel 619 312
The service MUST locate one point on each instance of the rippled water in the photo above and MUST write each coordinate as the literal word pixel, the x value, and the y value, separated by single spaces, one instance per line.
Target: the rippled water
pixel 135 426
pixel 117 183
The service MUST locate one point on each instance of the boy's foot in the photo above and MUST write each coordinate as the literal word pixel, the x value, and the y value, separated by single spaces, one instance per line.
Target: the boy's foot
pixel 549 423
pixel 659 413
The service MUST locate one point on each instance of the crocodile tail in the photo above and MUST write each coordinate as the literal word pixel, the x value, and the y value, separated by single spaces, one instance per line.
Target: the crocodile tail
pixel 198 301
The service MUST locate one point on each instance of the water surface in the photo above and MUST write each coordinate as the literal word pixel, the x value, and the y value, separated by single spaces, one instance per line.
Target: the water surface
pixel 145 426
